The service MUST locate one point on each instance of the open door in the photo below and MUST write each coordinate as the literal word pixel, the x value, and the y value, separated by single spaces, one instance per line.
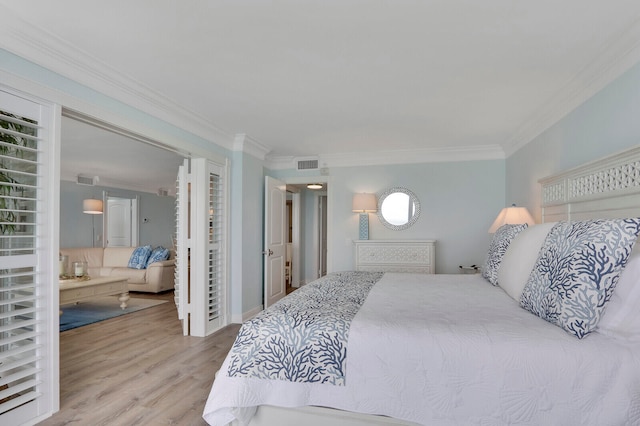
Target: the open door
pixel 275 199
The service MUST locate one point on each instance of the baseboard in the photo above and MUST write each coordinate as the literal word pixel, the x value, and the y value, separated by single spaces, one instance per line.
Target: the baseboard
pixel 239 319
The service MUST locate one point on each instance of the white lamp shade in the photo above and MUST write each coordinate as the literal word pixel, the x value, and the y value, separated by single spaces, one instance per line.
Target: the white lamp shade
pixel 365 203
pixel 92 206
pixel 512 216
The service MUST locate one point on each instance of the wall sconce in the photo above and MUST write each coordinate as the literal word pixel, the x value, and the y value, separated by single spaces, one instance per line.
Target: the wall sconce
pixel 512 216
pixel 364 204
pixel 92 206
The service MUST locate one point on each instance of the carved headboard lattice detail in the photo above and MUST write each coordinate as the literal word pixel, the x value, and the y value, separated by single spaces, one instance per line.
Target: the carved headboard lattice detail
pixel 609 187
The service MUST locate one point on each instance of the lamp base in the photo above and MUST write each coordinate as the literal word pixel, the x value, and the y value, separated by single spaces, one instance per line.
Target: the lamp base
pixel 364 226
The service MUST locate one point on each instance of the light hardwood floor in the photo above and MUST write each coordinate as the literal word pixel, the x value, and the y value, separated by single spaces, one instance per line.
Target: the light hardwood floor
pixel 138 369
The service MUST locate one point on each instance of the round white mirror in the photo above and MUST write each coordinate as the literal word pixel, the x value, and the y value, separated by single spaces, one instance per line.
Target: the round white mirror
pixel 398 208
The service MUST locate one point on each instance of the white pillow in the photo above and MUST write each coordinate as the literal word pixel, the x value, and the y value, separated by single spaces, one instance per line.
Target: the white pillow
pixel 622 315
pixel 520 257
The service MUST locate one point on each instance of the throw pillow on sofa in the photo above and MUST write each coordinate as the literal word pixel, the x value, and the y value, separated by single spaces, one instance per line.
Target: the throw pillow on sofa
pixel 139 257
pixel 158 254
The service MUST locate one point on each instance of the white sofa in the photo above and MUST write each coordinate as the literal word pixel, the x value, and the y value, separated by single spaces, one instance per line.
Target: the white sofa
pixel 112 261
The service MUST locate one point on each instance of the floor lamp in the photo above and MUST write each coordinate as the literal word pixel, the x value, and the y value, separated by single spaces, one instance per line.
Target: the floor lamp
pixel 93 207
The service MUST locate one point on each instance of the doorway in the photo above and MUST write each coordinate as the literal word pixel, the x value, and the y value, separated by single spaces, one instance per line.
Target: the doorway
pixel 307 228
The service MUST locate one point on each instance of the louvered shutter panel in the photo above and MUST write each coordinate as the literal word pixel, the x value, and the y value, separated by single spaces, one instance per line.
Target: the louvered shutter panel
pixel 181 247
pixel 216 296
pixel 26 377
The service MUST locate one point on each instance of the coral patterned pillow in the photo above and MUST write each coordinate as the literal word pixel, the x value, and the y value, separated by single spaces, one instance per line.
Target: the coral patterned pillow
pixel 499 244
pixel 139 257
pixel 158 254
pixel 577 270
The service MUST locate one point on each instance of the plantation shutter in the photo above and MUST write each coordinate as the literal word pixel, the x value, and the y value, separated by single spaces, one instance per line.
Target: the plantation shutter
pixel 181 246
pixel 28 327
pixel 208 296
pixel 215 278
pixel 201 229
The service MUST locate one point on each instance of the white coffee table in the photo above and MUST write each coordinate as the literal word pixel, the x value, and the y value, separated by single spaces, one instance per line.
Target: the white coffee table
pixel 76 290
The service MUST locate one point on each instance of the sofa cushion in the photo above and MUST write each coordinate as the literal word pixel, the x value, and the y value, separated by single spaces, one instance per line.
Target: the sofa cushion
pixel 91 255
pixel 139 257
pixel 135 276
pixel 117 256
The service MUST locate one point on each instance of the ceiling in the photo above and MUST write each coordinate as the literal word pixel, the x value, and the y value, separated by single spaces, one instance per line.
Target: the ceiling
pixel 118 160
pixel 350 81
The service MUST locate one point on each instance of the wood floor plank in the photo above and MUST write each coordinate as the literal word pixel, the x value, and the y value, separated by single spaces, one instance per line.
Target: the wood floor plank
pixel 138 369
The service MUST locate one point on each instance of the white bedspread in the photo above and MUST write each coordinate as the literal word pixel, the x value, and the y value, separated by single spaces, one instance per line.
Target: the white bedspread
pixel 452 350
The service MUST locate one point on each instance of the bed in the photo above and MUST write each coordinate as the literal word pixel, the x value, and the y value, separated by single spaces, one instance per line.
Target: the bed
pixel 533 340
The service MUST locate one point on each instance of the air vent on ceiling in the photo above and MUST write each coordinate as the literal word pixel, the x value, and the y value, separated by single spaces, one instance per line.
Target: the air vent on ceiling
pixel 163 192
pixel 87 180
pixel 308 164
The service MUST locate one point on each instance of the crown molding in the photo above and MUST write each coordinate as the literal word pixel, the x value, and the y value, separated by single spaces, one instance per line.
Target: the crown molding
pixel 612 61
pixel 53 53
pixel 426 155
pixel 244 143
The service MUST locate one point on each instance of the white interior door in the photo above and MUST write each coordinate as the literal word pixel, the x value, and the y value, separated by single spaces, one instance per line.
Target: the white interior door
pixel 275 242
pixel 118 217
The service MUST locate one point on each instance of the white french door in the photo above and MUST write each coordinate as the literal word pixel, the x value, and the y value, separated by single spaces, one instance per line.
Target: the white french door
pixel 29 217
pixel 201 240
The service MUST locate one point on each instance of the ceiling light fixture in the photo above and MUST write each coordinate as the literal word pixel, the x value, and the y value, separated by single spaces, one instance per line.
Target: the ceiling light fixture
pixel 314 186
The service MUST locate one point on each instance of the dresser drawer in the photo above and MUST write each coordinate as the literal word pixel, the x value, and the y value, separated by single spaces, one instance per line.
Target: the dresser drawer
pixel 395 256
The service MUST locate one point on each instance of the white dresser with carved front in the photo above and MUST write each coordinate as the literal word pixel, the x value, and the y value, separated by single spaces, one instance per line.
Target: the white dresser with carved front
pixel 417 256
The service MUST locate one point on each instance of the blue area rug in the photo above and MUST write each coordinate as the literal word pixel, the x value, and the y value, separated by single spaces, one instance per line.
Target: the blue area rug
pixel 100 309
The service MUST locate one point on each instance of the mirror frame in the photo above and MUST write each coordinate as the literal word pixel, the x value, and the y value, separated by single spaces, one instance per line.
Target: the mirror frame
pixel 412 197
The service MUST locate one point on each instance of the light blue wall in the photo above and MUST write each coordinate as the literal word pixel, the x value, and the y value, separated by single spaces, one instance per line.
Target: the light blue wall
pixel 459 202
pixel 252 232
pixel 76 227
pixel 606 123
pixel 247 197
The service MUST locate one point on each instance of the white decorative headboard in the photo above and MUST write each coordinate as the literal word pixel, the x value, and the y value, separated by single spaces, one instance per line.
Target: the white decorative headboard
pixel 606 188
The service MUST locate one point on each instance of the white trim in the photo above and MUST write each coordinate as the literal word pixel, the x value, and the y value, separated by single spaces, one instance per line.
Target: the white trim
pixel 243 142
pixel 407 156
pixel 110 118
pixel 296 221
pixel 246 316
pixel 45 49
